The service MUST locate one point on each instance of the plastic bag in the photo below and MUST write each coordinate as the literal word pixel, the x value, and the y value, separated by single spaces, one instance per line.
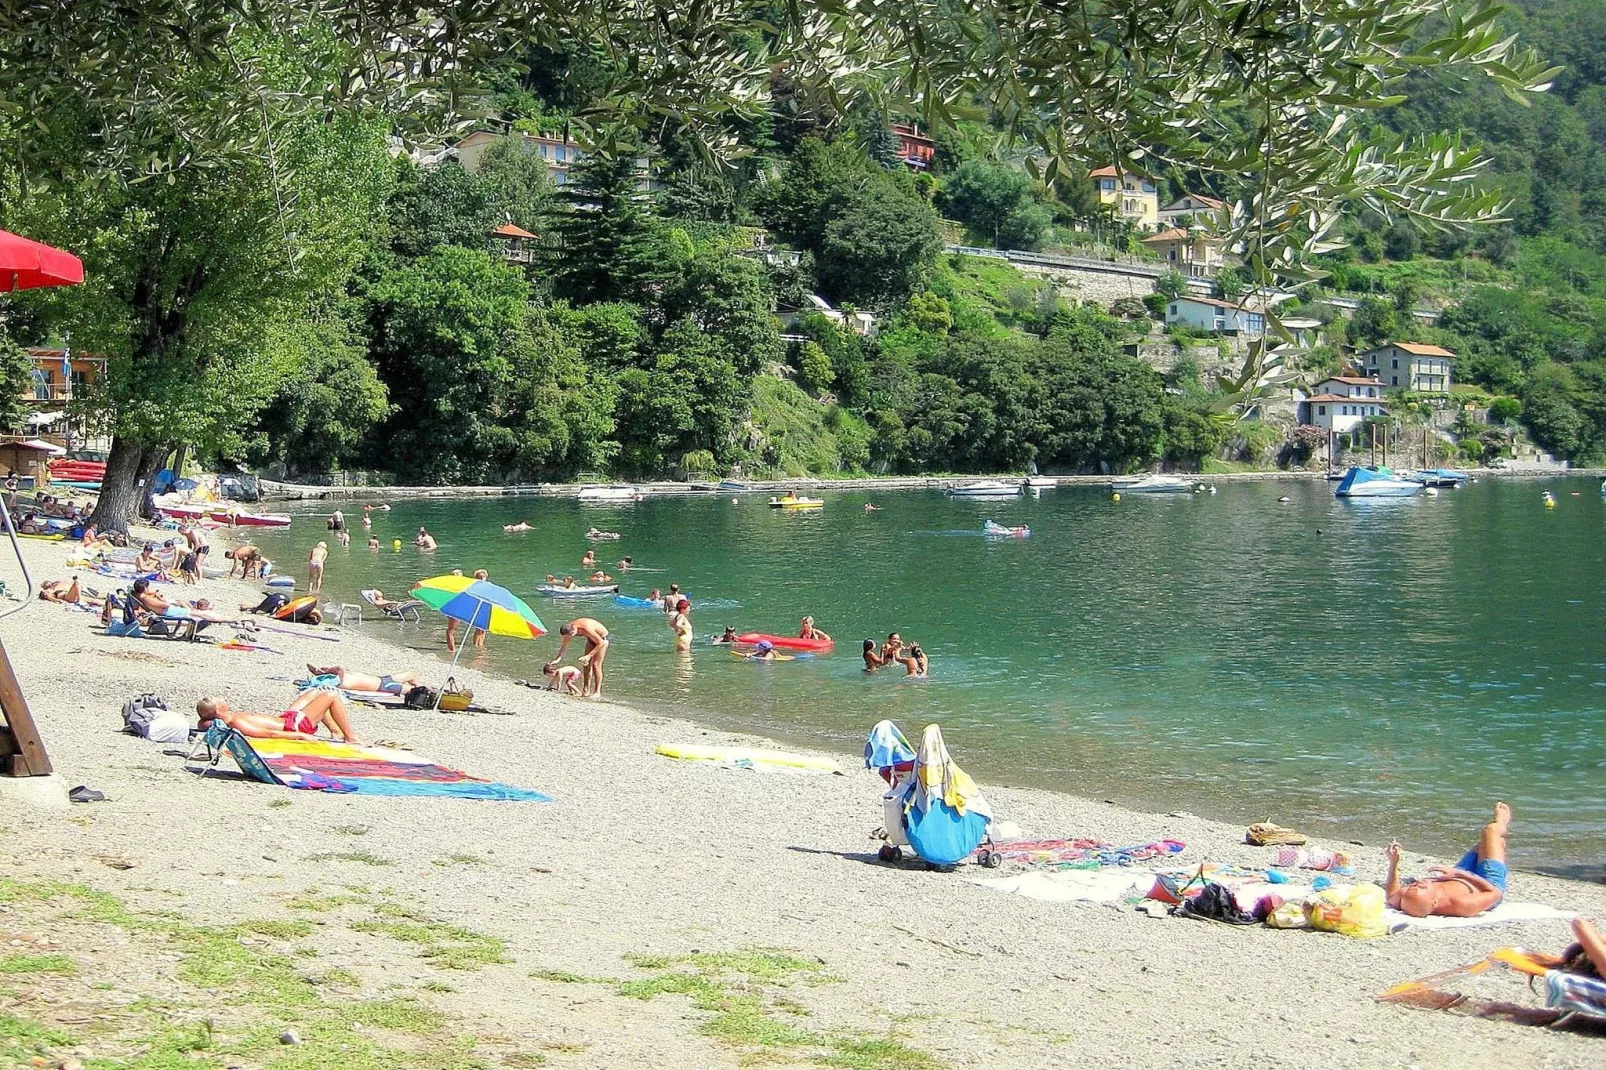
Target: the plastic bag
pixel 1354 910
pixel 1290 915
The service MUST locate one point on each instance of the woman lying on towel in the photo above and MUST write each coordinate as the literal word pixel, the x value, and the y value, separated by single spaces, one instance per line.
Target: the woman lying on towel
pixel 301 720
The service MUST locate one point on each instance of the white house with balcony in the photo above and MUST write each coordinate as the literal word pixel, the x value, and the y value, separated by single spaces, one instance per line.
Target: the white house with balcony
pixel 1193 208
pixel 1212 314
pixel 558 153
pixel 1410 366
pixel 1342 403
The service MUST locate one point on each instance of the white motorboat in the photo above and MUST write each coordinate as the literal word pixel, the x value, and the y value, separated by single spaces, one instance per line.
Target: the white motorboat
pixel 610 494
pixel 986 488
pixel 1374 483
pixel 1153 484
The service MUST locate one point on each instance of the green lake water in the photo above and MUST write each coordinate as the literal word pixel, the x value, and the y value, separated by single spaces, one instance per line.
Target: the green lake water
pixel 1392 674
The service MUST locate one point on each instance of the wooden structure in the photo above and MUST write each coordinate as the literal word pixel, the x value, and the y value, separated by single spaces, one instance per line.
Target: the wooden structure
pixel 22 752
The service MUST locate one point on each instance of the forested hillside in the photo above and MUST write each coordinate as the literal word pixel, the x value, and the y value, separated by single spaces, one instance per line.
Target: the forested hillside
pixel 338 300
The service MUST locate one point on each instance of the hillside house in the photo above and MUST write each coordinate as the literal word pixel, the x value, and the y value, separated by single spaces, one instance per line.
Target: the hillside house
pixel 1410 366
pixel 915 149
pixel 1133 196
pixel 1210 314
pixel 558 153
pixel 1192 252
pixel 511 238
pixel 860 323
pixel 1194 208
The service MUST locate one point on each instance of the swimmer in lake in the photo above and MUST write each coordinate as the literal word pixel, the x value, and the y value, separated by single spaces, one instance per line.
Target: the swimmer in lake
pixel 871 508
pixel 872 658
pixel 914 662
pixel 589 559
pixel 624 564
pixel 891 648
pixel 522 525
pixel 600 576
pixel 680 624
pixel 764 651
pixel 728 637
pixel 807 630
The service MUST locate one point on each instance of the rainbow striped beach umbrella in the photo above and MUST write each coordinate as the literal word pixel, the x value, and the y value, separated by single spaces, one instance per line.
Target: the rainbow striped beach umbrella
pixel 479 604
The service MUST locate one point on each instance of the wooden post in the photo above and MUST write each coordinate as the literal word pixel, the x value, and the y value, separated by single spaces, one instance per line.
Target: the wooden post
pixel 1374 445
pixel 22 752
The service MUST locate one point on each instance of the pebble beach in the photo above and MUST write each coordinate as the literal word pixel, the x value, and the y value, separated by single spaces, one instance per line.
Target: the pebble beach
pixel 641 859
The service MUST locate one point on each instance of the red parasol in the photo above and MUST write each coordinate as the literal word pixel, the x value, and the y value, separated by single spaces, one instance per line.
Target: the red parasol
pixel 26 264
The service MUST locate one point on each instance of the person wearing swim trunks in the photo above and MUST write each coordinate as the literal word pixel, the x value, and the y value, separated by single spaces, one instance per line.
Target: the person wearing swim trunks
pixel 596 637
pixel 390 683
pixel 1475 884
pixel 310 711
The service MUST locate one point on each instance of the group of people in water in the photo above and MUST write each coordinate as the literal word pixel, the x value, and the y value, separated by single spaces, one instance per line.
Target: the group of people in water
pixel 895 652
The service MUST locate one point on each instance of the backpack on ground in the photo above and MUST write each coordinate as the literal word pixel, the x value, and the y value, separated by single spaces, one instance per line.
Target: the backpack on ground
pixel 140 711
pixel 420 697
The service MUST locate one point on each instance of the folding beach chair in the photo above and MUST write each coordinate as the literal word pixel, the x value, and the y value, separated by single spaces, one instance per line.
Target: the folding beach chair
pixel 399 611
pixel 219 740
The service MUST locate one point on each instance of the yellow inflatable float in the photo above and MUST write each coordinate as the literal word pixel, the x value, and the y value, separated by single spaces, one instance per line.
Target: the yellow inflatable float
pixel 747 756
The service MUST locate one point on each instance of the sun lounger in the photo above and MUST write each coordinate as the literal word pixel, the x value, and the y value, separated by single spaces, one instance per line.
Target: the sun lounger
pixel 400 611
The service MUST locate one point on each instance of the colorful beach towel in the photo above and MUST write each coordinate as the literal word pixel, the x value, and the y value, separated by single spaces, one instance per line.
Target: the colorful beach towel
pixel 1081 854
pixel 326 765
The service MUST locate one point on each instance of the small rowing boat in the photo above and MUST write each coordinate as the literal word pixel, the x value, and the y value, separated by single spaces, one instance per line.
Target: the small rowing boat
pixel 610 494
pixel 788 501
pixel 986 488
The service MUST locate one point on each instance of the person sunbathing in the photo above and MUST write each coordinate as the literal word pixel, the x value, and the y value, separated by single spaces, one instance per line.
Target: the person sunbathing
pixel 154 603
pixel 59 590
pixel 310 711
pixel 1476 883
pixel 145 560
pixel 32 525
pixel 377 599
pixel 390 683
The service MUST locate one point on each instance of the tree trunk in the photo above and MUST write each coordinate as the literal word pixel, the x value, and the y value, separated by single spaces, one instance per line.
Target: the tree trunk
pixel 178 460
pixel 150 462
pixel 119 494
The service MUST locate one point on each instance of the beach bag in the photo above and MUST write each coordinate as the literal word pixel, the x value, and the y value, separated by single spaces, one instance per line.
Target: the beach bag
pixel 1290 915
pixel 419 698
pixel 1214 903
pixel 455 699
pixel 1354 910
pixel 140 711
pixel 942 835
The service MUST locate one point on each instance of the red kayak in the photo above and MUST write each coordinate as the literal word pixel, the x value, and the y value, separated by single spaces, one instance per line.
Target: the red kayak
pixel 788 642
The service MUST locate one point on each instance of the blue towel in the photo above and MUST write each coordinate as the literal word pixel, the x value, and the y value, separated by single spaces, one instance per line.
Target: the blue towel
pixel 886 747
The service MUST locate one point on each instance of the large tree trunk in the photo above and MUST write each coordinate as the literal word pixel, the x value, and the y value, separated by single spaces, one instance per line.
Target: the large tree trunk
pixel 120 492
pixel 150 462
pixel 178 460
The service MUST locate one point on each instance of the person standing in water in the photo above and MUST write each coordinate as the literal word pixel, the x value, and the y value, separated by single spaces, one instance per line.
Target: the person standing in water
pixel 478 636
pixel 597 642
pixel 680 624
pixel 315 560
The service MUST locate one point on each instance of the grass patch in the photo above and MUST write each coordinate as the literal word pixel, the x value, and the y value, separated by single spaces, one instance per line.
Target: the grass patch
pixel 403 1015
pixel 362 858
pixel 23 1036
pixel 56 964
pixel 460 860
pixel 865 1053
pixel 735 989
pixel 450 947
pixel 279 930
pixel 564 977
pixel 351 830
pixel 322 903
pixel 437 986
pixel 278 804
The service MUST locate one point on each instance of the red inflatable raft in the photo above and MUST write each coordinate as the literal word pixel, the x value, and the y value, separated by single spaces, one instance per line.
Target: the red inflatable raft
pixel 788 642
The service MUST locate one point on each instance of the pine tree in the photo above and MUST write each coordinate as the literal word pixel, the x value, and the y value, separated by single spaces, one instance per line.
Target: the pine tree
pixel 604 246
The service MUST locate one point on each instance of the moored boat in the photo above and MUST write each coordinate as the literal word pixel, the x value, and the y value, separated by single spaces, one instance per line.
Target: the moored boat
pixel 732 484
pixel 986 488
pixel 1153 484
pixel 224 514
pixel 1438 477
pixel 1374 483
pixel 1040 483
pixel 610 494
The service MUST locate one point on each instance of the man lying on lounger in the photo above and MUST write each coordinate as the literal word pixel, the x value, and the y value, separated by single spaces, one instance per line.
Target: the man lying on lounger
pixel 390 683
pixel 1476 883
pixel 301 720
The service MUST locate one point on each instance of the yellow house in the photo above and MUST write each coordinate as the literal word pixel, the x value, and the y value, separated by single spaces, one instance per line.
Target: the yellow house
pixel 1133 196
pixel 1192 252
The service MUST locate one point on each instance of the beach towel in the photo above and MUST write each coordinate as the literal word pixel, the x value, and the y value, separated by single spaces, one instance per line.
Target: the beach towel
pixel 351 768
pixel 938 777
pixel 1072 886
pixel 1507 911
pixel 1081 854
pixel 886 747
pixel 1572 992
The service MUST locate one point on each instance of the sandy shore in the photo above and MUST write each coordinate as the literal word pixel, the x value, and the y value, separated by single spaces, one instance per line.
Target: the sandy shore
pixel 642 855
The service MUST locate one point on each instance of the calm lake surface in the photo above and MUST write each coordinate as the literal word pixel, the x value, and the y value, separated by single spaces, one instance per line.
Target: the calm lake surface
pixel 1357 670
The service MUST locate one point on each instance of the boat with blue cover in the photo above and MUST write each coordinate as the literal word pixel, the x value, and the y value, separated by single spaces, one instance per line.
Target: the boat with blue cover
pixel 1375 483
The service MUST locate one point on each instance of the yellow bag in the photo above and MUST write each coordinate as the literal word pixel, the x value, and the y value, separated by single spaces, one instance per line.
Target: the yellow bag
pixel 1291 915
pixel 1354 910
pixel 455 699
